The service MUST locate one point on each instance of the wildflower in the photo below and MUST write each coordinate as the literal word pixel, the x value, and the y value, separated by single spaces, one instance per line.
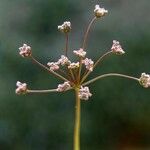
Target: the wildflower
pixel 88 64
pixel 64 60
pixel 72 74
pixel 80 52
pixel 100 12
pixel 63 87
pixel 21 88
pixel 53 65
pixel 116 48
pixel 84 93
pixel 25 50
pixel 65 27
pixel 145 80
pixel 73 65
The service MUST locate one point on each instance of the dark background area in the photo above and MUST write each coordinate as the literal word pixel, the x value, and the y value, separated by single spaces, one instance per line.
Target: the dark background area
pixel 117 116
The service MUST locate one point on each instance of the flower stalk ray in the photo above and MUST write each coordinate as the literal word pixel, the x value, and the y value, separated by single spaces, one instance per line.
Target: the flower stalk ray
pixel 109 75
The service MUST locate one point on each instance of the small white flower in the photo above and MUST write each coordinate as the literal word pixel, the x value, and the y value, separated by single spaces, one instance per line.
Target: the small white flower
pixel 88 64
pixel 64 60
pixel 25 50
pixel 21 88
pixel 63 87
pixel 84 93
pixel 80 52
pixel 116 48
pixel 53 65
pixel 145 80
pixel 100 12
pixel 65 27
pixel 73 65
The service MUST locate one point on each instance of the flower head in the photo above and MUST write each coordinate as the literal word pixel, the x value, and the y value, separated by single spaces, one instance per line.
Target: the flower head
pixel 53 65
pixel 80 52
pixel 65 27
pixel 100 12
pixel 25 50
pixel 21 88
pixel 63 87
pixel 145 80
pixel 64 60
pixel 73 65
pixel 88 64
pixel 84 93
pixel 116 48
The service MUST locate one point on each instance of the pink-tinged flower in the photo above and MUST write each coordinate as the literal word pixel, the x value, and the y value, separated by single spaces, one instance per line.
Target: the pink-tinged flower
pixel 63 87
pixel 116 48
pixel 88 64
pixel 64 60
pixel 65 27
pixel 80 52
pixel 21 88
pixel 100 12
pixel 84 93
pixel 53 65
pixel 145 80
pixel 25 50
pixel 73 65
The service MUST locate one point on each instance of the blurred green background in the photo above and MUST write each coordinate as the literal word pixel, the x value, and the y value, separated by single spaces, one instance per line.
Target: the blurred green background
pixel 117 117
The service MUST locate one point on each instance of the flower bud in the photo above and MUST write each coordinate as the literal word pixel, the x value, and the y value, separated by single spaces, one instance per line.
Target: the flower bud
pixel 116 48
pixel 73 65
pixel 100 12
pixel 64 60
pixel 65 27
pixel 80 52
pixel 63 87
pixel 145 80
pixel 21 88
pixel 84 93
pixel 88 64
pixel 53 65
pixel 25 50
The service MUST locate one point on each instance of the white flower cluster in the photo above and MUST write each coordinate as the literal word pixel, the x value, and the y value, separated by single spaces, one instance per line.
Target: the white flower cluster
pixel 84 93
pixel 25 50
pixel 100 12
pixel 116 48
pixel 145 80
pixel 21 88
pixel 88 64
pixel 80 52
pixel 63 87
pixel 65 27
pixel 64 60
pixel 53 65
pixel 73 65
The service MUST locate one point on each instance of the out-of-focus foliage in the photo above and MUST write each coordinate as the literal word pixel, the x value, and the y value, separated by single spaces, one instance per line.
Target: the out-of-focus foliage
pixel 117 115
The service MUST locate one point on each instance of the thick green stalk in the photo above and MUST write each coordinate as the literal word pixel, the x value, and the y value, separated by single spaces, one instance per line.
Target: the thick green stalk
pixel 76 145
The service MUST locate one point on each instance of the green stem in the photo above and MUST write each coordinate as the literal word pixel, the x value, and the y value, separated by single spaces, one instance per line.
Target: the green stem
pixel 46 68
pixel 101 58
pixel 66 45
pixel 72 74
pixel 109 74
pixel 80 68
pixel 45 91
pixel 42 91
pixel 87 32
pixel 96 63
pixel 76 145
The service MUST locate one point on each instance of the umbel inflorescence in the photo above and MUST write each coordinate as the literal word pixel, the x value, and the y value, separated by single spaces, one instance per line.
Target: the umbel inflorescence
pixel 74 74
